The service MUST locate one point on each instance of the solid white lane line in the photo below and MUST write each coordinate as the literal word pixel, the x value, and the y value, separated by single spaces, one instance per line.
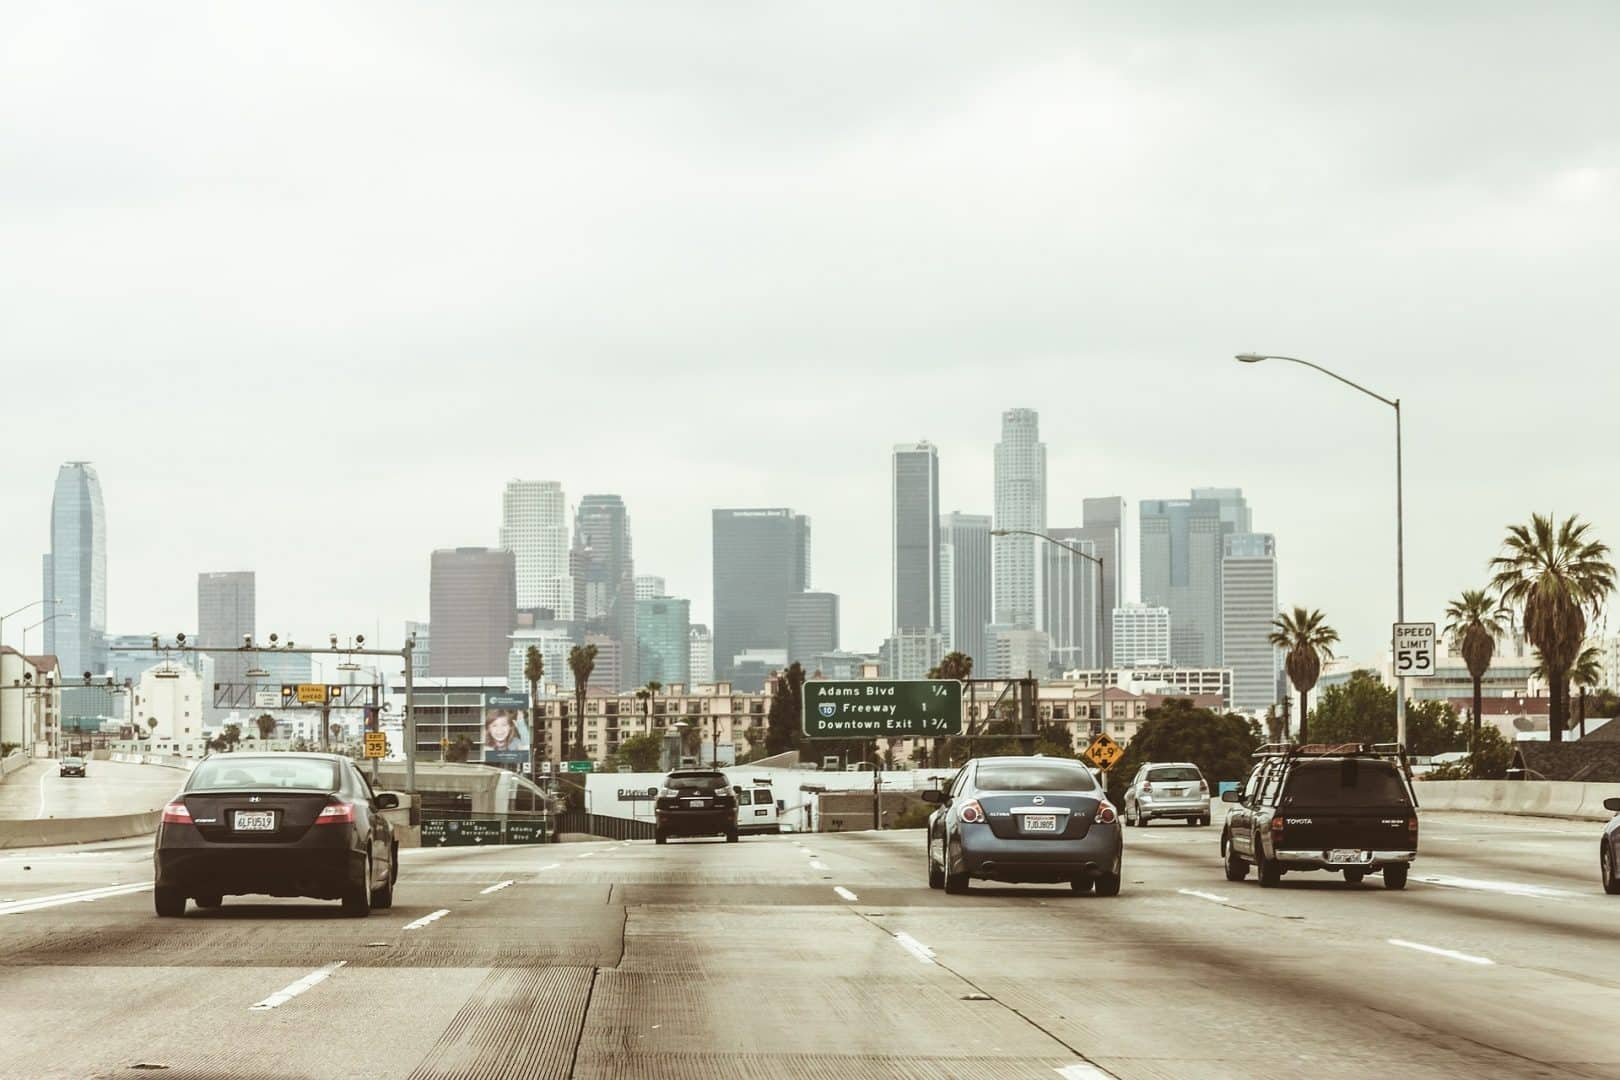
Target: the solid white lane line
pixel 287 993
pixel 37 903
pixel 497 887
pixel 1202 895
pixel 1507 888
pixel 915 947
pixel 424 920
pixel 1084 1071
pixel 1449 954
pixel 817 865
pixel 42 778
pixel 845 893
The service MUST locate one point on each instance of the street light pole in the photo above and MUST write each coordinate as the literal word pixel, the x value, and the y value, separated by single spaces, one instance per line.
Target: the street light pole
pixel 1400 514
pixel 1096 560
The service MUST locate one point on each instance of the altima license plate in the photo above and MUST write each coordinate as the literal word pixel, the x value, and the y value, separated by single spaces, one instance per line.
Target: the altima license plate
pixel 1040 823
pixel 1342 855
pixel 254 821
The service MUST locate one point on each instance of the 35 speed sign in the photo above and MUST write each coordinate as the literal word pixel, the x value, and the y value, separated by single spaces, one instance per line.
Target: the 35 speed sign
pixel 1414 649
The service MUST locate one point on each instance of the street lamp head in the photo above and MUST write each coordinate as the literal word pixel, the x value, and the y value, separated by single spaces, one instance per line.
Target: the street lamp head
pixel 1249 358
pixel 998 532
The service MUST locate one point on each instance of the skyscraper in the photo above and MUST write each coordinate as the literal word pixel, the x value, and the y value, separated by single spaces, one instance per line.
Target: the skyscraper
pixel 472 610
pixel 1248 606
pixel 761 558
pixel 76 573
pixel 1235 512
pixel 965 576
pixel 1069 611
pixel 1141 636
pixel 225 613
pixel 1182 544
pixel 650 586
pixel 915 532
pixel 602 539
pixel 1020 504
pixel 700 656
pixel 534 528
pixel 1104 525
pixel 812 626
pixel 664 640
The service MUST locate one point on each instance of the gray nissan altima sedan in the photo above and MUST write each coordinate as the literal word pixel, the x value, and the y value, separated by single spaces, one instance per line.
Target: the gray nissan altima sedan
pixel 1609 850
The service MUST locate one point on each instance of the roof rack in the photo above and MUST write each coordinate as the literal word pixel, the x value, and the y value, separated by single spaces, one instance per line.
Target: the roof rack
pixel 1382 750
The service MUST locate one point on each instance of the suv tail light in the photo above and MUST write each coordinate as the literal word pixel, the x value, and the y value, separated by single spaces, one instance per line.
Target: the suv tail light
pixel 339 813
pixel 1277 824
pixel 1411 826
pixel 176 813
pixel 971 812
pixel 1106 813
pixel 1147 786
pixel 1203 786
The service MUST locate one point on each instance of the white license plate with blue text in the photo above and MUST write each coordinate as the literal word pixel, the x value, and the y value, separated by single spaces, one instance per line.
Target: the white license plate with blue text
pixel 1040 823
pixel 254 821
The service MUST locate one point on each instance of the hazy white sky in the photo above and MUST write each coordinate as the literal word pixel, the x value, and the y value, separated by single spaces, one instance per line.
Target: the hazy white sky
pixel 309 282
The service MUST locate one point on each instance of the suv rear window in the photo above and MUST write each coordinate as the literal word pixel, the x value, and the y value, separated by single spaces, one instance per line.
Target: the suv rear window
pixel 1032 776
pixel 232 772
pixel 1347 783
pixel 709 782
pixel 1174 773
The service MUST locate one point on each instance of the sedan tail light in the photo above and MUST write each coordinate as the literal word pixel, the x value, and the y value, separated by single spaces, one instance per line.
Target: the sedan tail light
pixel 1106 814
pixel 176 813
pixel 971 812
pixel 339 813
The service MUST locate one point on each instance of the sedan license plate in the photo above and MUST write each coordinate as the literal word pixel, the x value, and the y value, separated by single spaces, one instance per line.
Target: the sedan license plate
pixel 254 821
pixel 1040 823
pixel 1344 855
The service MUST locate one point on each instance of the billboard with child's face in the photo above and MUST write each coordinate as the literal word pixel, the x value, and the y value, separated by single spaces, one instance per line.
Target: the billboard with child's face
pixel 506 727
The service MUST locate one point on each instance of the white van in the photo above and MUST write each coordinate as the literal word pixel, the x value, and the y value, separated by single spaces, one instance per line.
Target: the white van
pixel 757 811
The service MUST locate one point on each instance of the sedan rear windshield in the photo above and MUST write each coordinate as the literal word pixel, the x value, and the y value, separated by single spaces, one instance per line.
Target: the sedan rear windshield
pixel 1346 783
pixel 695 783
pixel 227 773
pixel 1043 776
pixel 1175 773
pixel 72 761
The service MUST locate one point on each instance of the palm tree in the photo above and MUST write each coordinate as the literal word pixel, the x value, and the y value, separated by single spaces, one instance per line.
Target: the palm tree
pixel 1557 578
pixel 266 725
pixel 534 669
pixel 1474 624
pixel 581 661
pixel 646 695
pixel 1586 673
pixel 1307 640
pixel 955 665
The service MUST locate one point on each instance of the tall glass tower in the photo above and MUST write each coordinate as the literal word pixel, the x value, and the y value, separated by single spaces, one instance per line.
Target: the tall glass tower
pixel 76 573
pixel 1020 504
pixel 915 567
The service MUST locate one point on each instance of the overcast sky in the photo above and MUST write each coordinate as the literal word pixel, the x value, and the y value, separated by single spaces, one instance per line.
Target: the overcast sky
pixel 310 282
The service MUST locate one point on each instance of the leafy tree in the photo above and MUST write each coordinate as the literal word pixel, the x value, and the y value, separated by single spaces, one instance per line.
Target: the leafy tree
pixel 1474 623
pixel 581 661
pixel 1557 578
pixel 1222 745
pixel 534 669
pixel 784 725
pixel 643 753
pixel 955 665
pixel 217 745
pixel 151 727
pixel 231 735
pixel 266 725
pixel 1307 640
pixel 1362 710
pixel 1491 756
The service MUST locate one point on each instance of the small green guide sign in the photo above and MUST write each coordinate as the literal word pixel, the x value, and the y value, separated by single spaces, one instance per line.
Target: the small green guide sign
pixel 878 708
pixel 581 766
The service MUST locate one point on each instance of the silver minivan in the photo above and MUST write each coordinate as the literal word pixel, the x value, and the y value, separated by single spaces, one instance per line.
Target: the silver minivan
pixel 1167 789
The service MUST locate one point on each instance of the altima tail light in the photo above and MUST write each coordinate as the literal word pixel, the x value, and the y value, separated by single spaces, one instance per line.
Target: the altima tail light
pixel 971 812
pixel 339 813
pixel 176 813
pixel 1106 813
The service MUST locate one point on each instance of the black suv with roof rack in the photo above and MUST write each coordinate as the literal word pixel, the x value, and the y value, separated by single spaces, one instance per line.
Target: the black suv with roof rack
pixel 1347 808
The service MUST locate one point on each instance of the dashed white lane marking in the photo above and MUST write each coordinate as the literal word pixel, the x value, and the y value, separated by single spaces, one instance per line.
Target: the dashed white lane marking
pixel 287 993
pixel 38 903
pixel 1449 954
pixel 424 920
pixel 1084 1071
pixel 816 864
pixel 585 854
pixel 551 866
pixel 1202 895
pixel 845 893
pixel 1506 888
pixel 915 947
pixel 497 887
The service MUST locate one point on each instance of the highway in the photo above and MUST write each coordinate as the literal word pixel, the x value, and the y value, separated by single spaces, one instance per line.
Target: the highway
pixel 113 787
pixel 827 956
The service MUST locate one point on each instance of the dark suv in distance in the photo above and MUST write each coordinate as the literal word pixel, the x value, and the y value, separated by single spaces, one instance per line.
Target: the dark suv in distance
pixel 696 802
pixel 1345 809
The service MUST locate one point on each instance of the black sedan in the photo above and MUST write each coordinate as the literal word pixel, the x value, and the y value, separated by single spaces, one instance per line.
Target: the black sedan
pixel 71 766
pixel 279 824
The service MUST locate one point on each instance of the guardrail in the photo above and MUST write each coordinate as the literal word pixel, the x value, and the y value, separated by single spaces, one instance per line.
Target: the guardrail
pixel 1528 798
pixel 13 761
pixel 610 828
pixel 49 832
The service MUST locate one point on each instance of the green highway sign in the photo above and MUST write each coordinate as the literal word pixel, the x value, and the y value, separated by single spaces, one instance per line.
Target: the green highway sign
pixel 581 766
pixel 882 708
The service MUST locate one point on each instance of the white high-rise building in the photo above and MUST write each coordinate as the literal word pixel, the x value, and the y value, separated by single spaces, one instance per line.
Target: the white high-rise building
pixel 534 528
pixel 650 587
pixel 965 590
pixel 1017 651
pixel 1141 636
pixel 1069 610
pixel 1611 663
pixel 700 656
pixel 913 652
pixel 1020 497
pixel 1248 606
pixel 914 566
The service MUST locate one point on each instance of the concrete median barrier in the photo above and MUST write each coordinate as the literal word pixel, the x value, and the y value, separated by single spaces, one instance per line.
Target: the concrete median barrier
pixel 50 832
pixel 1529 798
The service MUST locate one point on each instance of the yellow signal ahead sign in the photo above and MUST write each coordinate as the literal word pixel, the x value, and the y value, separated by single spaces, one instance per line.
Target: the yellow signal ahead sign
pixel 376 744
pixel 1103 752
pixel 312 694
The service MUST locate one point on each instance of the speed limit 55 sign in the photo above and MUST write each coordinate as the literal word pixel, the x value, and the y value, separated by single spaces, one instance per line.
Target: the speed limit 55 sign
pixel 1414 649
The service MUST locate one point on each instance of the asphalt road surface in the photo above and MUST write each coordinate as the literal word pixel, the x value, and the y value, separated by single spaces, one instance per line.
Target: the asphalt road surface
pixel 112 787
pixel 826 956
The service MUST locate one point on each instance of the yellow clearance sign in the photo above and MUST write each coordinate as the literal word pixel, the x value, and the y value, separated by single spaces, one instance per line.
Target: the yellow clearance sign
pixel 376 744
pixel 312 693
pixel 1104 752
